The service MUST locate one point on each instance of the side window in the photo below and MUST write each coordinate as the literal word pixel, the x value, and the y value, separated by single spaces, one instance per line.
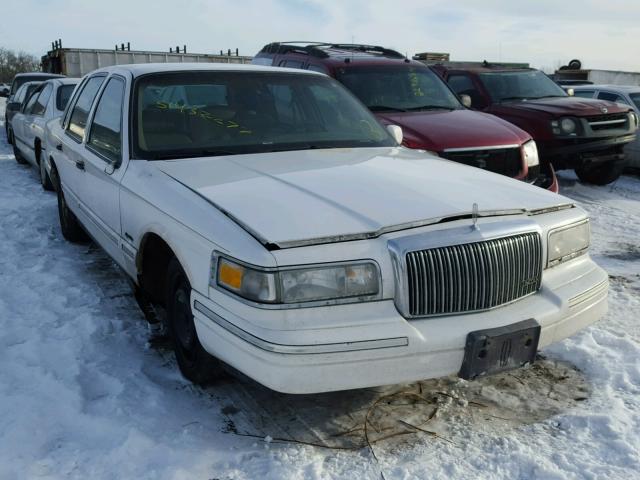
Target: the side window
pixel 584 93
pixel 80 112
pixel 41 103
pixel 612 97
pixel 28 108
pixel 463 85
pixel 72 102
pixel 291 64
pixel 105 136
pixel 63 96
pixel 316 68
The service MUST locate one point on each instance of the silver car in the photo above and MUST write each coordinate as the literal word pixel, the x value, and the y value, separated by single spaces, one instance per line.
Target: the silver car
pixel 46 103
pixel 629 95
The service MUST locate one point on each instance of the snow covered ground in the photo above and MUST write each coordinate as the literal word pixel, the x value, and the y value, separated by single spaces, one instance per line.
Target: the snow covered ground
pixel 84 394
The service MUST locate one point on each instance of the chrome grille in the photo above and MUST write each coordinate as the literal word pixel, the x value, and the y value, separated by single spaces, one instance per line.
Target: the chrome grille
pixel 473 276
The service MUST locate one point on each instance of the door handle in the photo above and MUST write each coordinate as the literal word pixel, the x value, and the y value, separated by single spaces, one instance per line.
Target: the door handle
pixel 59 147
pixel 80 164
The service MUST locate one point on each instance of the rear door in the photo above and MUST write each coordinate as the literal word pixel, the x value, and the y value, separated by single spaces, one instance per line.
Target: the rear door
pixel 20 124
pixel 33 124
pixel 103 165
pixel 69 152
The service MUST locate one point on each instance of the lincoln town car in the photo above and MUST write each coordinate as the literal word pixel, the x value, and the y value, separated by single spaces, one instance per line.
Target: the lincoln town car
pixel 274 226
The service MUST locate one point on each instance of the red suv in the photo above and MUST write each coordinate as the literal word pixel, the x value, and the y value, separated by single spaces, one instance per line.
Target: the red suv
pixel 584 134
pixel 407 93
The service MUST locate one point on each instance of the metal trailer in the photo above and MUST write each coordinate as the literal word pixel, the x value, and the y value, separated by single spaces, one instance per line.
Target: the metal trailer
pixel 598 77
pixel 77 62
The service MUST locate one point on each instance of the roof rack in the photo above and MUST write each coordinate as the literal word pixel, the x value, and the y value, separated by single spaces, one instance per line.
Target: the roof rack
pixel 483 64
pixel 319 49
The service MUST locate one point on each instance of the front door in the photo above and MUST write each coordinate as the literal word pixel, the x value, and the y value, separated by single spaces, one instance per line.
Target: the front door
pixel 102 167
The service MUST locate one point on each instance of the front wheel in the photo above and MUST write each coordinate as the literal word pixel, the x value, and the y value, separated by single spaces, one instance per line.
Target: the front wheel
pixel 195 363
pixel 602 174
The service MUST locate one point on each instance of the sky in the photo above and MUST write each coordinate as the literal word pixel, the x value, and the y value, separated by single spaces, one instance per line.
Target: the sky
pixel 544 33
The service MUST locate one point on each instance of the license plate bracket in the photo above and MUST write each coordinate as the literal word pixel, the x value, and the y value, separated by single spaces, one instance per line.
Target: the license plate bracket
pixel 500 349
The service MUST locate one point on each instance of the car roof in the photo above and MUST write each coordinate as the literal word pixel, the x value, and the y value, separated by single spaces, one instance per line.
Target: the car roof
pixel 138 69
pixel 27 84
pixel 44 75
pixel 63 81
pixel 619 88
pixel 336 53
pixel 477 69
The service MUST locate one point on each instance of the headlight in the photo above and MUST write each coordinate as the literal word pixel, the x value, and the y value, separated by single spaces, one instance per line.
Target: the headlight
pixel 530 152
pixel 343 281
pixel 634 117
pixel 249 283
pixel 564 126
pixel 568 242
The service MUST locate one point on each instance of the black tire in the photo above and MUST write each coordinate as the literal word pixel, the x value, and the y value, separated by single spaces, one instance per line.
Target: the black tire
pixel 45 181
pixel 69 223
pixel 600 174
pixel 16 153
pixel 195 363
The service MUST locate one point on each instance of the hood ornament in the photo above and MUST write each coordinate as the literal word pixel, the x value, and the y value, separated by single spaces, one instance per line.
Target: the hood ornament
pixel 474 216
pixel 605 110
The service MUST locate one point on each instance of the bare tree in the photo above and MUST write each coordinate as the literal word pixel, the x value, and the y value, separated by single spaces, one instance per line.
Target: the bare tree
pixel 12 62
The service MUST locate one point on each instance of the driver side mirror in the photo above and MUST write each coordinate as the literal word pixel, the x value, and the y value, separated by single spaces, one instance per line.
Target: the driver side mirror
pixel 396 133
pixel 466 100
pixel 13 106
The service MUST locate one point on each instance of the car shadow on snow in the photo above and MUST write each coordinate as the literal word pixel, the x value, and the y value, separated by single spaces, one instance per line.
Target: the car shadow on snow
pixel 394 416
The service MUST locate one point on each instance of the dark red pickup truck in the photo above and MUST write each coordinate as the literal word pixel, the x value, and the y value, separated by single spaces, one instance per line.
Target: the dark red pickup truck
pixel 584 134
pixel 407 93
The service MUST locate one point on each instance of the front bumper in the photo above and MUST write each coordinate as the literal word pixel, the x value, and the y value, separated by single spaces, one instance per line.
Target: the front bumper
pixel 579 152
pixel 372 344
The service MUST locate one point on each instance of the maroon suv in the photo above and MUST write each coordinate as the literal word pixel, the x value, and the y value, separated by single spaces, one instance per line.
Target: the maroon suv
pixel 407 93
pixel 584 134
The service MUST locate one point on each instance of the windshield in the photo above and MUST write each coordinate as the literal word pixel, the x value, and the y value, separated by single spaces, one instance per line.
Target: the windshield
pixel 398 88
pixel 179 115
pixel 635 98
pixel 520 85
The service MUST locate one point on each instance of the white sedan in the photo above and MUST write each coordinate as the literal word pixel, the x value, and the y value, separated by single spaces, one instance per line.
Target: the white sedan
pixel 275 226
pixel 48 101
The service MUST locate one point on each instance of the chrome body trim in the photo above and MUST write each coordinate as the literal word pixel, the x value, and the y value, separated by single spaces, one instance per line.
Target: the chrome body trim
pixel 96 221
pixel 341 347
pixel 472 149
pixel 593 292
pixel 399 248
pixel 608 122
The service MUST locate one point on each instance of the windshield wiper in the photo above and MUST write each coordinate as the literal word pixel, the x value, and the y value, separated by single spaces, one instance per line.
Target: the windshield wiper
pixel 546 96
pixel 191 154
pixel 430 107
pixel 506 99
pixel 382 108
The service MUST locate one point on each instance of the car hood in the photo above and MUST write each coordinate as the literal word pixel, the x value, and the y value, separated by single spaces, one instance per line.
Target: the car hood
pixel 440 130
pixel 297 198
pixel 560 106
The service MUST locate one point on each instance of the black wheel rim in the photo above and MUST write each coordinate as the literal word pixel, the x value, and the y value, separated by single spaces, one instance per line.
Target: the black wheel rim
pixel 183 326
